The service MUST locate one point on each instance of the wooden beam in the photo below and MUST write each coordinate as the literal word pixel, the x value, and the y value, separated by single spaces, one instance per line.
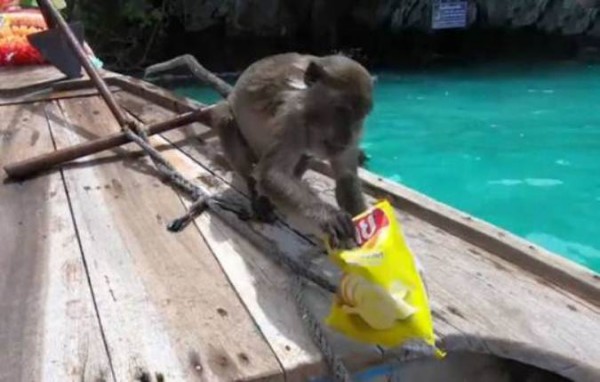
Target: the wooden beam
pixel 49 328
pixel 166 306
pixel 481 301
pixel 261 284
pixel 42 162
pixel 531 258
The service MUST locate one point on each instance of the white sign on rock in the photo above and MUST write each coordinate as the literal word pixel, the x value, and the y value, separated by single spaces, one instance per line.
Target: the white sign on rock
pixel 447 14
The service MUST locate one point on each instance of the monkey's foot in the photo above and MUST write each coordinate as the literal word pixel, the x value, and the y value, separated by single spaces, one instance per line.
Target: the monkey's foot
pixel 263 210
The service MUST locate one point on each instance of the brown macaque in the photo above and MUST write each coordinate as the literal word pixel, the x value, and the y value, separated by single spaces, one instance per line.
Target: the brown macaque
pixel 283 111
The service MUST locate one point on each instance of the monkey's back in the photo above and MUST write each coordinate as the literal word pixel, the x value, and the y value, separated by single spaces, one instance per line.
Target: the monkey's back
pixel 260 93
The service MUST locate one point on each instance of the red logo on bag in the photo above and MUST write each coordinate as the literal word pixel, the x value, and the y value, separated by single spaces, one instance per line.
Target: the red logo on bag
pixel 368 226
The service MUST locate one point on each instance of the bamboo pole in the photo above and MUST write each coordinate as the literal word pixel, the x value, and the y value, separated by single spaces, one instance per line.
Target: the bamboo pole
pixel 28 167
pixel 60 23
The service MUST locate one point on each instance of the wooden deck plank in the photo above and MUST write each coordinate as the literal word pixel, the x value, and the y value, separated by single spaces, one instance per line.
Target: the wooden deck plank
pixel 264 288
pixel 49 94
pixel 35 76
pixel 166 306
pixel 558 270
pixel 48 325
pixel 484 303
pixel 13 78
pixel 163 322
pixel 532 258
pixel 496 302
pixel 261 284
pixel 44 82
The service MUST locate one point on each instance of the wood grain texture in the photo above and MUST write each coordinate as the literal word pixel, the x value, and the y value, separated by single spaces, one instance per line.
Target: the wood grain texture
pixel 49 330
pixel 484 303
pixel 166 306
pixel 20 78
pixel 14 78
pixel 49 94
pixel 264 287
pixel 261 284
pixel 154 95
pixel 482 300
pixel 532 258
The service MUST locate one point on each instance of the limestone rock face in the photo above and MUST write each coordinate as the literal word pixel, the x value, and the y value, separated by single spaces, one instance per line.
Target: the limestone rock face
pixel 321 18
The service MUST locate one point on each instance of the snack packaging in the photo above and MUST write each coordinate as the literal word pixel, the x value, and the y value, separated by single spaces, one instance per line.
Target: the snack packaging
pixel 381 298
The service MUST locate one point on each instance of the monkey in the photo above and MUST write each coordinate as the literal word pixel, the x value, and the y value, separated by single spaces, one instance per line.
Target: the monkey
pixel 286 110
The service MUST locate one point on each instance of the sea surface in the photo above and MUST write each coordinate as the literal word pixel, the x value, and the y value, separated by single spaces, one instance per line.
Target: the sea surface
pixel 516 145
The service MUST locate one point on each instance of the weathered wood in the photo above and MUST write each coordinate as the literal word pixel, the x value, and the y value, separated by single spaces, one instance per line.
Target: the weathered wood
pixel 48 325
pixel 49 94
pixel 531 258
pixel 534 259
pixel 483 299
pixel 36 164
pixel 498 308
pixel 155 94
pixel 166 306
pixel 202 74
pixel 265 289
pixel 482 302
pixel 261 284
pixel 19 81
pixel 28 76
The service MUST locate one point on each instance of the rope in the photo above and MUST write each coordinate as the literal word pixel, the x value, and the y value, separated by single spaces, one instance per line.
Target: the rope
pixel 219 208
pixel 338 371
pixel 136 133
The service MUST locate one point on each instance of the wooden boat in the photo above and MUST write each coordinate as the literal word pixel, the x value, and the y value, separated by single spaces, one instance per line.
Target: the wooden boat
pixel 94 288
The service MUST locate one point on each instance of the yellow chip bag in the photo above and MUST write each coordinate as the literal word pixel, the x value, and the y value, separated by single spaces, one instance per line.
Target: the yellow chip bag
pixel 381 298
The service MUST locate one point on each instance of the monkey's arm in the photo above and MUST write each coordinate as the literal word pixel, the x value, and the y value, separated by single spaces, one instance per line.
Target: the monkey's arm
pixel 348 191
pixel 276 180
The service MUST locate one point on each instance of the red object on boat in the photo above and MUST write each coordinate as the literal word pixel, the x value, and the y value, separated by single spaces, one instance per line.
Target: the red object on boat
pixel 8 4
pixel 15 26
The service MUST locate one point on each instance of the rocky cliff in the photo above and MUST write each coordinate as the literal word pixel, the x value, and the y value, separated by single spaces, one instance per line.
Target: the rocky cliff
pixel 282 18
pixel 376 25
pixel 227 34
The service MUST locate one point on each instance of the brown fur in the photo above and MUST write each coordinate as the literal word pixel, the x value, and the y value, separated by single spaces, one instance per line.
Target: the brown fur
pixel 287 108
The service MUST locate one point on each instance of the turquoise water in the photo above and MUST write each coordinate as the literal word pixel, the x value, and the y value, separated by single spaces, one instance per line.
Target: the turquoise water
pixel 516 146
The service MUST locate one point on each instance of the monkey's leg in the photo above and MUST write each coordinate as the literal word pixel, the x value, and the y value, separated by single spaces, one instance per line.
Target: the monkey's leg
pixel 242 161
pixel 276 178
pixel 348 190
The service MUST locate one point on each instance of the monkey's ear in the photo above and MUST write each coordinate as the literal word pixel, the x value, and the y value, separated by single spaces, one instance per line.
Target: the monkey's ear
pixel 314 73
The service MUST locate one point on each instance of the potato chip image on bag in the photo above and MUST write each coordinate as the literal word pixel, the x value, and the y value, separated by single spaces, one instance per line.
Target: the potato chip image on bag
pixel 381 299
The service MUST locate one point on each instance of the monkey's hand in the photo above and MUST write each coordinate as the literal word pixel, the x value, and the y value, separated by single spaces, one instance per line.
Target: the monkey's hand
pixel 337 225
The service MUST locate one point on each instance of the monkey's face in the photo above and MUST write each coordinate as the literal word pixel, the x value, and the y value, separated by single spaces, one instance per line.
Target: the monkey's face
pixel 341 137
pixel 339 100
pixel 335 128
